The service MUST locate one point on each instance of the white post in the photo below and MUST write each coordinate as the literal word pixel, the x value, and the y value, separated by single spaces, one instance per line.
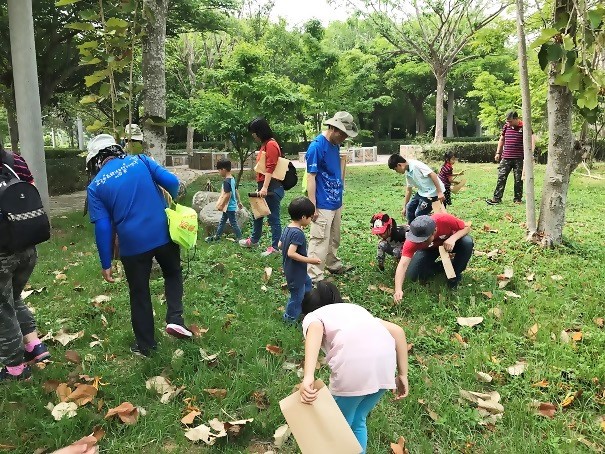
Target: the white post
pixel 27 95
pixel 80 133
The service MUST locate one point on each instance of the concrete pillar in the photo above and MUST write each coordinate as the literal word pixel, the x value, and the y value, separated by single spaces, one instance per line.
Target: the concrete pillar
pixel 27 95
pixel 80 134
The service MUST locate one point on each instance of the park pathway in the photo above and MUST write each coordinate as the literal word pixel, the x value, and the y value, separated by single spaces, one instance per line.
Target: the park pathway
pixel 66 203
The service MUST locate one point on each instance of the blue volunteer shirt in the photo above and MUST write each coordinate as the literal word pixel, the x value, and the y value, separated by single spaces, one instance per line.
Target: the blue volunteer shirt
pixel 295 271
pixel 124 193
pixel 323 159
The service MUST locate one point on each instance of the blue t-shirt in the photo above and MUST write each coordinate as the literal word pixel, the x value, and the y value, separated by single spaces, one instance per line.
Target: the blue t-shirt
pixel 125 192
pixel 323 159
pixel 295 271
pixel 229 186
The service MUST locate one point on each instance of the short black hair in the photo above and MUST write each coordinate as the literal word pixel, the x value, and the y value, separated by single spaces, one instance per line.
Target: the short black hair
pixel 261 128
pixel 448 155
pixel 299 207
pixel 394 160
pixel 512 115
pixel 223 164
pixel 325 293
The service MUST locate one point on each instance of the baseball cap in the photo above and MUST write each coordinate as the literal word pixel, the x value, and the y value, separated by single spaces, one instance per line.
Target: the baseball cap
pixel 421 229
pixel 343 121
pixel 380 223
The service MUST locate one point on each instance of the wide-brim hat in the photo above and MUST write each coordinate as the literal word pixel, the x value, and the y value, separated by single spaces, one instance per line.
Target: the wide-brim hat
pixel 99 143
pixel 133 132
pixel 343 121
pixel 421 229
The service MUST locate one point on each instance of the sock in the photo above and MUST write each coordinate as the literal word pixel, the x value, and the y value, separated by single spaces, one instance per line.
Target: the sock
pixel 15 370
pixel 29 347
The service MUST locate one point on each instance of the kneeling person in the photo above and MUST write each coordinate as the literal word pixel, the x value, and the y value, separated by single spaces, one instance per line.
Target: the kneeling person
pixel 421 249
pixel 391 237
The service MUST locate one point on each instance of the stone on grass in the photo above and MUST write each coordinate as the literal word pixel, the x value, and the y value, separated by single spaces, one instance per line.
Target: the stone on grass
pixel 210 217
pixel 203 198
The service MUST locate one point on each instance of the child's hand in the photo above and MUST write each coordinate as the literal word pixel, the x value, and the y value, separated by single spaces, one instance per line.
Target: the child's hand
pixel 403 388
pixel 314 260
pixel 240 206
pixel 308 393
pixel 398 296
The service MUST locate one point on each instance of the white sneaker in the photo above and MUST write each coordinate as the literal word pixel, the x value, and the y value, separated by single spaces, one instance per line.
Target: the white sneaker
pixel 247 243
pixel 270 250
pixel 178 331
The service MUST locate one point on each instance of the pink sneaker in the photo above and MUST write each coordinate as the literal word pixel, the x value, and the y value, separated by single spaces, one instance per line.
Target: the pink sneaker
pixel 247 243
pixel 178 331
pixel 270 250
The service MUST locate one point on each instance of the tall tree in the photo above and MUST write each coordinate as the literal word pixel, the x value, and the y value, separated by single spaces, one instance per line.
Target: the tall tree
pixel 433 31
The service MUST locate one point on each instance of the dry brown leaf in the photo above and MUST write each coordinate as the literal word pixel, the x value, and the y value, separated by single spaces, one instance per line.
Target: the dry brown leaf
pixel 372 288
pixel 201 433
pixel 564 337
pixel 541 384
pixel 511 294
pixel 64 410
pixel 281 435
pixel 487 228
pixel 82 395
pixel 434 416
pixel 399 447
pixel 73 356
pixel 63 391
pixel 496 312
pixel 219 393
pixel 98 432
pixel 274 349
pixel 197 331
pixel 599 321
pixel 488 295
pixel 517 369
pixel 557 277
pixel 457 337
pixel 60 277
pixel 267 273
pixel 189 417
pixel 128 413
pixel 530 277
pixel 65 338
pixel 533 331
pixel 546 409
pixel 576 336
pixel 260 399
pixel 386 289
pixel 482 376
pixel 469 321
pixel 50 386
pixel 509 217
pixel 571 398
pixel 99 299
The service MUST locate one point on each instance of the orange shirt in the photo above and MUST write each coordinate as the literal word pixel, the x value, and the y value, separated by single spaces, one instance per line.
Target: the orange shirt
pixel 272 154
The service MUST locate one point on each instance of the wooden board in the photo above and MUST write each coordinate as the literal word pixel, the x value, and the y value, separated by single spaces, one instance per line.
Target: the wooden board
pixel 455 188
pixel 438 207
pixel 447 263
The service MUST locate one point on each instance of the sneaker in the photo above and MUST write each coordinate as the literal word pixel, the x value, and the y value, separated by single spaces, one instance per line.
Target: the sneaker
pixel 518 202
pixel 38 354
pixel 342 270
pixel 247 243
pixel 145 353
pixel 178 331
pixel 492 202
pixel 210 239
pixel 452 284
pixel 23 376
pixel 270 250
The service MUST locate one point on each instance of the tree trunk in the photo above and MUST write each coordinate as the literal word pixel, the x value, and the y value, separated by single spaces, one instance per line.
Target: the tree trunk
pixel 418 104
pixel 439 108
pixel 528 162
pixel 13 127
pixel 190 131
pixel 154 79
pixel 479 129
pixel 80 126
pixel 562 160
pixel 450 113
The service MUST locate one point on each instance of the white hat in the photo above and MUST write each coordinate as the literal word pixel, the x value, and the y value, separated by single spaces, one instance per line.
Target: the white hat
pixel 133 132
pixel 343 121
pixel 99 143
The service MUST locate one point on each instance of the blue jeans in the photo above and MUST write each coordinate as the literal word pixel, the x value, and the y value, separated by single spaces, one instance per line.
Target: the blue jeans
pixel 418 206
pixel 294 305
pixel 424 264
pixel 228 216
pixel 274 203
pixel 355 410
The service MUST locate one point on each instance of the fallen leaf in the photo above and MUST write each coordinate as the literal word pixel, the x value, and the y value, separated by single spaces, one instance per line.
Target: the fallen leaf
pixel 541 384
pixel 50 386
pixel 260 400
pixel 207 357
pixel 281 435
pixel 65 338
pixel 63 391
pixel 496 312
pixel 487 228
pixel 128 413
pixel 60 277
pixel 557 277
pixel 434 416
pixel 73 356
pixel 386 289
pixel 264 288
pixel 482 376
pixel 492 254
pixel 162 386
pixel 517 369
pixel 267 273
pixel 530 277
pixel 457 337
pixel 82 395
pixel 576 336
pixel 511 294
pixel 197 331
pixel 98 432
pixel 399 447
pixel 289 366
pixel 564 337
pixel 488 295
pixel 372 288
pixel 201 433
pixel 219 393
pixel 509 217
pixel 274 349
pixel 188 419
pixel 469 321
pixel 64 410
pixel 599 321
pixel 571 398
pixel 508 274
pixel 533 331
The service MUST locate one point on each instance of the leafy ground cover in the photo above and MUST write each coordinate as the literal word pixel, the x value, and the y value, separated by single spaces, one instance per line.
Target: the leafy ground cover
pixel 548 317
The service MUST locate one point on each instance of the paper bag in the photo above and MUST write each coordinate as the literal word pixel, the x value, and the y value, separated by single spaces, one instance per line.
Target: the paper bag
pixel 280 169
pixel 458 185
pixel 319 428
pixel 259 206
pixel 223 201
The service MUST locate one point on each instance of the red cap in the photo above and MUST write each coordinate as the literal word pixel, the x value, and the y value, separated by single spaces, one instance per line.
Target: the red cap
pixel 380 223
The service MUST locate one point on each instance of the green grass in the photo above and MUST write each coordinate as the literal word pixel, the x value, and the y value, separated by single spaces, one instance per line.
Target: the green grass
pixel 439 366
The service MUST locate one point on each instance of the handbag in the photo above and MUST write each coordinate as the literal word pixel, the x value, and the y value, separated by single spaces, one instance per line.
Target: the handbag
pixel 259 205
pixel 182 220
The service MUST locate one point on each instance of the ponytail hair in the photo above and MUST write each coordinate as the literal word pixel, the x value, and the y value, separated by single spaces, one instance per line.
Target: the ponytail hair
pixel 448 155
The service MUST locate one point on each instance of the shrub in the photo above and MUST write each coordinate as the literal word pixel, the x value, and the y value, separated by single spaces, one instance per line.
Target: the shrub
pixel 59 153
pixel 465 151
pixel 66 175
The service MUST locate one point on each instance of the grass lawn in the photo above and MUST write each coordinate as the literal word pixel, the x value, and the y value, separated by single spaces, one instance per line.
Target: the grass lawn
pixel 224 293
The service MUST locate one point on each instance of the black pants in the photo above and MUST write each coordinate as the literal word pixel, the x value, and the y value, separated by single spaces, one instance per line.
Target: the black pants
pixel 138 271
pixel 506 165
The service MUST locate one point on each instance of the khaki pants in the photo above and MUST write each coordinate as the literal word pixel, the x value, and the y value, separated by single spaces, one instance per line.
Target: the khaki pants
pixel 324 242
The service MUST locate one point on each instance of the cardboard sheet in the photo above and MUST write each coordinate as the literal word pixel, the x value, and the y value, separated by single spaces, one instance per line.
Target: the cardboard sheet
pixel 319 428
pixel 455 188
pixel 447 263
pixel 280 170
pixel 438 207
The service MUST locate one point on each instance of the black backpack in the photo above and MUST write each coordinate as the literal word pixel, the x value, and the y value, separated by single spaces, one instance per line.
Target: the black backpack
pixel 291 178
pixel 23 221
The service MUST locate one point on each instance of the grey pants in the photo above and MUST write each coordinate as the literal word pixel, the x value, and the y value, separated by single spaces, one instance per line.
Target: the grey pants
pixel 385 248
pixel 16 320
pixel 506 165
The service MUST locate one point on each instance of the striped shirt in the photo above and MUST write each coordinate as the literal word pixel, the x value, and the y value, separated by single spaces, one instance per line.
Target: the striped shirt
pixel 445 173
pixel 21 169
pixel 513 141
